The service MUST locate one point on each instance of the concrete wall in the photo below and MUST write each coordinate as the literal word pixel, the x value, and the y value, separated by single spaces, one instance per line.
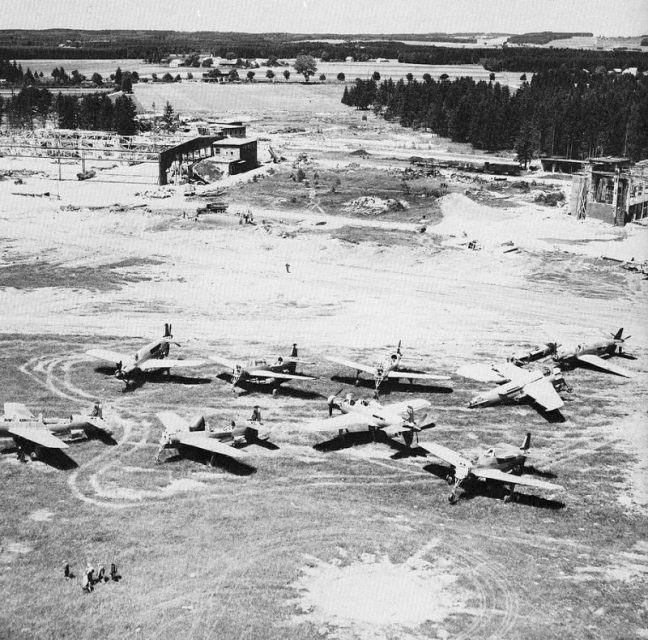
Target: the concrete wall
pixel 601 211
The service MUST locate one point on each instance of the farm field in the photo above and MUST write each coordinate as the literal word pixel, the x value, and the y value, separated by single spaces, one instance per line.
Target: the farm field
pixel 352 70
pixel 305 541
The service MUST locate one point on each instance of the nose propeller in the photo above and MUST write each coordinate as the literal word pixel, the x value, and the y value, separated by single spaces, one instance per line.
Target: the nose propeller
pixel 332 401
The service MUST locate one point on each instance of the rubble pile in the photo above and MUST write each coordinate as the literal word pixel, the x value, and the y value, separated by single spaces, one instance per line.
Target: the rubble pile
pixel 374 205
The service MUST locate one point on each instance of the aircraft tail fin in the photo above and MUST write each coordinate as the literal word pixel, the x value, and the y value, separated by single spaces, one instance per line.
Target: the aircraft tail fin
pixel 618 335
pixel 527 443
pixel 198 424
pixel 167 330
pixel 292 366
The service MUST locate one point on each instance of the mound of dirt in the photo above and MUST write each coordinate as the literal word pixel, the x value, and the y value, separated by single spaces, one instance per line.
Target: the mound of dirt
pixel 374 205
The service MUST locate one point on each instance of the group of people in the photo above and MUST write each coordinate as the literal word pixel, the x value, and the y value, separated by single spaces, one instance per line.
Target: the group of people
pixel 92 577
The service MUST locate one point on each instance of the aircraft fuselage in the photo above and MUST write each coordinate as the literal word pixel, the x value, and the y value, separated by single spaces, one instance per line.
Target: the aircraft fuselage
pixel 158 349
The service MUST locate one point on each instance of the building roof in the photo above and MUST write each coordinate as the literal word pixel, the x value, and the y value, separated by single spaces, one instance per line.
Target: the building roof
pixel 233 142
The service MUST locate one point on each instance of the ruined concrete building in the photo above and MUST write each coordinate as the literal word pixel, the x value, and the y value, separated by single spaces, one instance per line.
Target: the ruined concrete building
pixel 611 189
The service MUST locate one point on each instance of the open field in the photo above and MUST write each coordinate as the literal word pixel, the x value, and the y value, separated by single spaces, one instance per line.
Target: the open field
pixel 352 70
pixel 337 542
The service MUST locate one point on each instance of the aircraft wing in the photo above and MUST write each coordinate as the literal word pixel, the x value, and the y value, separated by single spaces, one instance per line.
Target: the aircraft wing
pixel 172 421
pixel 415 376
pixel 396 429
pixel 415 403
pixel 107 356
pixel 266 373
pixel 353 365
pixel 229 364
pixel 448 455
pixel 509 478
pixel 169 363
pixel 39 436
pixel 512 372
pixel 543 392
pixel 605 365
pixel 343 421
pixel 17 411
pixel 200 440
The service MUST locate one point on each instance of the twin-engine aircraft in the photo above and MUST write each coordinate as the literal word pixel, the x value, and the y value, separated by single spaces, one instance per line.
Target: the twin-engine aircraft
pixel 391 369
pixel 501 463
pixel 152 357
pixel 227 441
pixel 261 371
pixel 370 416
pixel 519 384
pixel 33 434
pixel 593 354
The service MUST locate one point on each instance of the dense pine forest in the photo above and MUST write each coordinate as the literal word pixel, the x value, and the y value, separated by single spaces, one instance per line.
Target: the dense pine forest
pixel 576 114
pixel 33 107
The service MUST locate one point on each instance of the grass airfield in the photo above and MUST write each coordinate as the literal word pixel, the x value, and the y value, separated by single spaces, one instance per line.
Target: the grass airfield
pixel 304 541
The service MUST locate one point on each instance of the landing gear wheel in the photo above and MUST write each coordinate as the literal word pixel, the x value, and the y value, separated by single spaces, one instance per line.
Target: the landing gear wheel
pixel 453 499
pixel 450 479
pixel 275 393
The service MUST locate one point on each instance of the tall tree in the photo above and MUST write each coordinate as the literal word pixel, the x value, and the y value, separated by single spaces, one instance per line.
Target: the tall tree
pixel 124 121
pixel 305 65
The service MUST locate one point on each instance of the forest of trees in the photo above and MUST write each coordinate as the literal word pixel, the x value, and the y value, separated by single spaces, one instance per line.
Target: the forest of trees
pixel 33 107
pixel 560 112
pixel 155 45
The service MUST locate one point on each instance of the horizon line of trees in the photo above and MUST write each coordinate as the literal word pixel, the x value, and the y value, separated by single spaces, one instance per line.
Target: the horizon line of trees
pixel 507 58
pixel 560 112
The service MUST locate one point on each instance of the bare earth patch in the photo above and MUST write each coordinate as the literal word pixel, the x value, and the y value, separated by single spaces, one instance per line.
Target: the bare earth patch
pixel 375 598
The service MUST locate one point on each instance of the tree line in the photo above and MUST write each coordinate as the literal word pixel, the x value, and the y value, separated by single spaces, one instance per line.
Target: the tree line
pixel 575 114
pixel 33 107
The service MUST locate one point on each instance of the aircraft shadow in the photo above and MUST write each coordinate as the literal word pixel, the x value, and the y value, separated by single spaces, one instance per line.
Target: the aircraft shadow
pixel 204 457
pixel 553 417
pixel 392 386
pixel 495 490
pixel 54 458
pixel 265 444
pixel 261 387
pixel 345 442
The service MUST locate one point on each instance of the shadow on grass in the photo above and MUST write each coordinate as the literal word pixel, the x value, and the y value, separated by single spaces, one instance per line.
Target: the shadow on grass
pixel 225 463
pixel 473 488
pixel 247 387
pixel 154 377
pixel 52 457
pixel 392 386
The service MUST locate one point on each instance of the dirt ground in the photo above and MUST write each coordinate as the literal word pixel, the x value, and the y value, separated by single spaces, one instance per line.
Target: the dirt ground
pixel 330 541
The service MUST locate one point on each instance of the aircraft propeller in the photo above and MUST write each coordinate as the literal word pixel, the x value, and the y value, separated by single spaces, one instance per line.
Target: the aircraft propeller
pixel 331 401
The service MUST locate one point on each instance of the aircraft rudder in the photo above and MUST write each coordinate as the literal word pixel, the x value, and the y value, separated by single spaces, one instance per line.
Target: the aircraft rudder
pixel 527 442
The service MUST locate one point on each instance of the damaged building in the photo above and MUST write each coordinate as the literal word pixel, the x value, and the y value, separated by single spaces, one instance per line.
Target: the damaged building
pixel 208 158
pixel 611 189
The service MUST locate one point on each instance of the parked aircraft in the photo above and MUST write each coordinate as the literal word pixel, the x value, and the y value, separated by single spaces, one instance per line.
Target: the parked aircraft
pixel 152 357
pixel 260 371
pixel 391 369
pixel 591 353
pixel 370 416
pixel 227 441
pixel 501 463
pixel 519 384
pixel 33 434
pixel 588 354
